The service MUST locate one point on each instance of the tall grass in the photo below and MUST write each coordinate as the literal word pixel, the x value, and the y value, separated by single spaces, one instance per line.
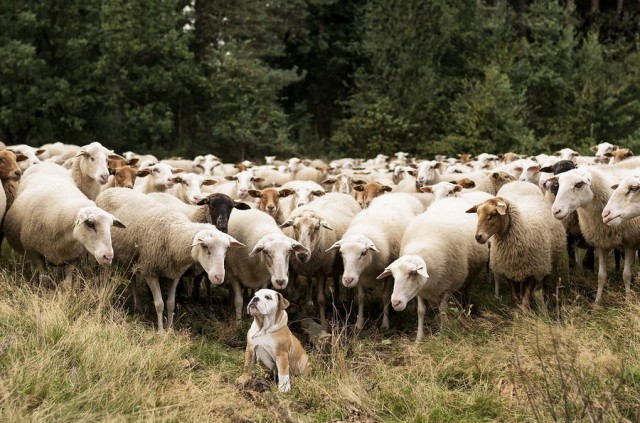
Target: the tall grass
pixel 77 355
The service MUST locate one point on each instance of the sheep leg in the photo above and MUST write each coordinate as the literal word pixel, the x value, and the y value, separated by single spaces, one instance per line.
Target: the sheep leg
pixel 136 298
pixel 602 271
pixel 321 298
pixel 42 269
pixel 154 285
pixel 496 284
pixel 514 295
pixel 360 320
pixel 442 307
pixel 386 299
pixel 616 258
pixel 171 301
pixel 529 285
pixel 237 298
pixel 69 269
pixel 422 310
pixel 629 258
pixel 572 252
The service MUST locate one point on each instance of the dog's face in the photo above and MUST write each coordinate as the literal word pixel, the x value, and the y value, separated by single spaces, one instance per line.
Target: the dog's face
pixel 266 302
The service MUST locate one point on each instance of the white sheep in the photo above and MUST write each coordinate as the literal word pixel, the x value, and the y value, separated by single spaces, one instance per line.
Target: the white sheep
pixel 526 243
pixel 318 225
pixel 588 190
pixel 268 261
pixel 438 256
pixel 31 153
pixel 371 242
pixel 238 185
pixel 52 221
pixel 161 178
pixel 162 242
pixel 188 187
pixel 89 169
pixel 624 203
pixel 304 192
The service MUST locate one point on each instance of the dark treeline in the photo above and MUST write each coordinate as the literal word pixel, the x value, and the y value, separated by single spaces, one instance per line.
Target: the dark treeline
pixel 320 77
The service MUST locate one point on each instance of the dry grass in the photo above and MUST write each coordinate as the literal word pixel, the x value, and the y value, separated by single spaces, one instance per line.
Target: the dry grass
pixel 78 355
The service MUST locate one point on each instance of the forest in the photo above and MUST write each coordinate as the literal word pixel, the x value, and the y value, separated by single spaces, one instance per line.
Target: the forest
pixel 327 78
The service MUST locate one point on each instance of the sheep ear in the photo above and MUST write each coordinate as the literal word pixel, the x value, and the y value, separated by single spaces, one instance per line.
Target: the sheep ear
pixel 557 153
pixel 411 172
pixel 594 148
pixel 258 248
pixel 318 193
pixel 427 188
pixel 118 224
pixel 386 188
pixel 282 302
pixel 299 248
pixel 422 271
pixel 20 157
pixel 231 178
pixel 384 274
pixel 42 150
pixel 197 242
pixel 535 168
pixel 457 188
pixel 358 182
pixel 466 183
pixel 241 206
pixel 116 157
pixel 473 209
pixel 254 193
pixel 144 172
pixel 133 162
pixel 257 180
pixel 177 180
pixel 202 202
pixel 495 175
pixel 372 246
pixel 501 207
pixel 287 223
pixel 335 246
pixel 615 186
pixel 546 169
pixel 285 192
pixel 82 153
pixel 358 188
pixel 209 182
pixel 234 243
pixel 325 224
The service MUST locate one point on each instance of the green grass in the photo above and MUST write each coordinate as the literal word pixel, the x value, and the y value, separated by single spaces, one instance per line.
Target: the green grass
pixel 79 355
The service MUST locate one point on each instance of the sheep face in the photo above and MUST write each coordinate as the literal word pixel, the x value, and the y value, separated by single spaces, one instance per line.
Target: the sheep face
pixel 603 151
pixel 356 254
pixel 339 183
pixel 93 161
pixel 209 248
pixel 9 167
pixel 531 174
pixel 624 203
pixel 303 195
pixel 492 218
pixel 500 179
pixel 306 229
pixel 567 154
pixel 275 250
pixel 220 207
pixel 190 186
pixel 125 177
pixel 427 171
pixel 409 278
pixel 574 191
pixel 293 165
pixel 269 199
pixel 244 182
pixel 93 230
pixel 443 190
pixel 162 176
pixel 369 192
pixel 30 153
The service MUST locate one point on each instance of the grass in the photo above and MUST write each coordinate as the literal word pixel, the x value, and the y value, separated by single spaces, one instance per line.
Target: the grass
pixel 79 355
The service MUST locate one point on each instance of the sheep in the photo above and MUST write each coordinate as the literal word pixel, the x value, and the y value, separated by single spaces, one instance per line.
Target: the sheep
pixel 52 221
pixel 89 169
pixel 31 153
pixel 268 260
pixel 10 174
pixel 603 151
pixel 159 180
pixel 438 256
pixel 124 177
pixel 364 194
pixel 318 225
pixel 588 191
pixel 373 240
pixel 162 242
pixel 238 185
pixel 269 201
pixel 526 242
pixel 448 189
pixel 624 203
pixel 304 192
pixel 58 152
pixel 429 172
pixel 177 162
pixel 621 154
pixel 206 164
pixel 342 182
pixel 188 187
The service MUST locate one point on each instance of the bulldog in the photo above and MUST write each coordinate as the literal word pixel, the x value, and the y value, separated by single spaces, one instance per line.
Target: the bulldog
pixel 270 341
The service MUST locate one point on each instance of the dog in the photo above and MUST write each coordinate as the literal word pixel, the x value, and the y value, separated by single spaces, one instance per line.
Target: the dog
pixel 270 342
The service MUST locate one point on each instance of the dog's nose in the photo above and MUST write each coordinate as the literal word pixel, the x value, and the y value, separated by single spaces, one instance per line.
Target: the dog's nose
pixel 254 300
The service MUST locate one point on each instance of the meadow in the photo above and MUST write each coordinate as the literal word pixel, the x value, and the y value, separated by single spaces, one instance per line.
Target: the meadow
pixel 83 355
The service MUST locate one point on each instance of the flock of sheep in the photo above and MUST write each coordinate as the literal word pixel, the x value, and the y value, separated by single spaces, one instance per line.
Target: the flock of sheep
pixel 414 228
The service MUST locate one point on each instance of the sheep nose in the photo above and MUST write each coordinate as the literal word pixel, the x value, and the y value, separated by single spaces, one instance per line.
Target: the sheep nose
pixel 129 186
pixel 104 178
pixel 302 257
pixel 218 278
pixel 605 213
pixel 478 237
pixel 107 258
pixel 271 207
pixel 280 282
pixel 17 174
pixel 196 198
pixel 347 280
pixel 395 303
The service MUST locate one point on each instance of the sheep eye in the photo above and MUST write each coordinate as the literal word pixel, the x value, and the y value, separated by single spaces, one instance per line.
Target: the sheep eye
pixel 267 297
pixel 90 224
pixel 633 188
pixel 155 171
pixel 579 185
pixel 363 253
pixel 413 273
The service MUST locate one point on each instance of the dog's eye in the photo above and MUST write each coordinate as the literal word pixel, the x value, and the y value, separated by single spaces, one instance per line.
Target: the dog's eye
pixel 267 297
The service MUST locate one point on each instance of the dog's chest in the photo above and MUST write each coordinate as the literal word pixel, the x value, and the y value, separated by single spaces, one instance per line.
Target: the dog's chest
pixel 264 348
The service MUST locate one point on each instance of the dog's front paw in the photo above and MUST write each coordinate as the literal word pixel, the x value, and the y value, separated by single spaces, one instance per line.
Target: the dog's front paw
pixel 243 380
pixel 284 384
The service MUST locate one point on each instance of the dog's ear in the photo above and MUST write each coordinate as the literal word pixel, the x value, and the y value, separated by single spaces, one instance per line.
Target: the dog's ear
pixel 282 302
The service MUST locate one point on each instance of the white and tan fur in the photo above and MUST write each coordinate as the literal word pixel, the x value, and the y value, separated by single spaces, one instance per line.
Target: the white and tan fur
pixel 271 343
